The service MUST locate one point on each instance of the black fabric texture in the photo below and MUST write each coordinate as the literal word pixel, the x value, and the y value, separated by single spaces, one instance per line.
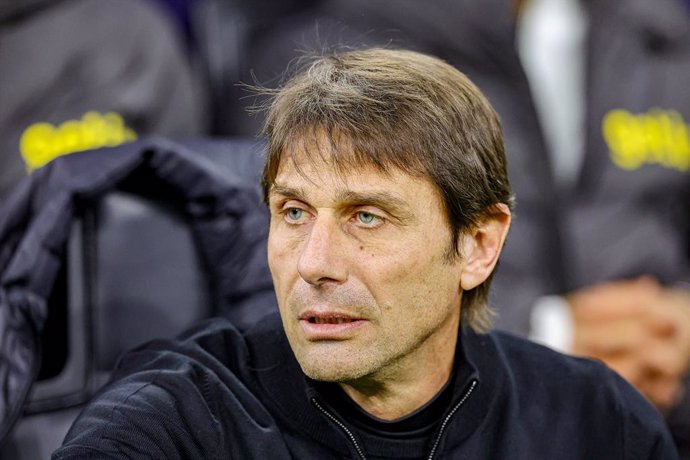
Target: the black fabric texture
pixel 219 393
pixel 226 215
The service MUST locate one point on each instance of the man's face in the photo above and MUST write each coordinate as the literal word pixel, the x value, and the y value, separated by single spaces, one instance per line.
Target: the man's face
pixel 360 270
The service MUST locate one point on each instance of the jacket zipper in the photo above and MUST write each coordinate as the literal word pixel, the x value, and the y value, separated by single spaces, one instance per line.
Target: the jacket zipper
pixel 437 441
pixel 342 426
pixel 447 419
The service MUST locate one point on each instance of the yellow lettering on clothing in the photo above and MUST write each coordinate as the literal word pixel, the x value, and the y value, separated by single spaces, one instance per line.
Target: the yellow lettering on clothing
pixel 40 143
pixel 656 137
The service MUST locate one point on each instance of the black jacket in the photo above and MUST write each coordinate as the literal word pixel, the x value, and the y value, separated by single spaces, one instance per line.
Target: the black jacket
pixel 215 184
pixel 219 394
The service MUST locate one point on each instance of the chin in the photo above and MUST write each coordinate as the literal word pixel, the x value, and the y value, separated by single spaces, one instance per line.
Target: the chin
pixel 322 375
pixel 328 369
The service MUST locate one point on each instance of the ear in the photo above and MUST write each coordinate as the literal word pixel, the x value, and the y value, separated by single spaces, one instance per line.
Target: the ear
pixel 482 245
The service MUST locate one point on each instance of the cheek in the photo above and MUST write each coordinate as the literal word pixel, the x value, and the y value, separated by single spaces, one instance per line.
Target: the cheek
pixel 394 279
pixel 416 281
pixel 283 245
pixel 282 258
pixel 276 253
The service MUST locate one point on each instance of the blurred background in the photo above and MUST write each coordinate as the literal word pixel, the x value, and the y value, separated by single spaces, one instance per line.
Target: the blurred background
pixel 593 96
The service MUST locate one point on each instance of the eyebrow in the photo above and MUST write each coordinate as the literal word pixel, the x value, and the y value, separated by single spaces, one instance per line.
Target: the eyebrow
pixel 381 199
pixel 291 192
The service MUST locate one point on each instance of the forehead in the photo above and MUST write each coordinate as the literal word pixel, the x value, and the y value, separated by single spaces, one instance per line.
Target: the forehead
pixel 324 166
pixel 336 150
pixel 321 170
pixel 318 176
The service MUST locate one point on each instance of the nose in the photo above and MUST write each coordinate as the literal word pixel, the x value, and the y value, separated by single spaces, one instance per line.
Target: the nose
pixel 321 261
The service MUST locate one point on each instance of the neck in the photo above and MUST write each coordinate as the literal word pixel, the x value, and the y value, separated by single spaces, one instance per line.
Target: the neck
pixel 397 392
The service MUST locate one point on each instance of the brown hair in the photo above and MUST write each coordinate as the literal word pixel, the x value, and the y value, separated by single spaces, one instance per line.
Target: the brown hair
pixel 399 109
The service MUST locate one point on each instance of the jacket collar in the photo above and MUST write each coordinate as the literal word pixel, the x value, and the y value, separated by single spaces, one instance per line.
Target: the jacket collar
pixel 285 387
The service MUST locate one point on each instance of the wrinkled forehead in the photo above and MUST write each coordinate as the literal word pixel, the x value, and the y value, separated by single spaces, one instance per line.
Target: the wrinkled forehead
pixel 320 150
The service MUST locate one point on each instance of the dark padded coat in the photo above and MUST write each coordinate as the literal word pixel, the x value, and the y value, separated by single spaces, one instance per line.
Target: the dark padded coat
pixel 221 394
pixel 216 184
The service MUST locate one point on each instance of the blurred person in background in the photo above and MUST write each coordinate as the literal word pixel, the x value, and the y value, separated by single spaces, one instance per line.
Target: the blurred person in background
pixel 610 82
pixel 82 74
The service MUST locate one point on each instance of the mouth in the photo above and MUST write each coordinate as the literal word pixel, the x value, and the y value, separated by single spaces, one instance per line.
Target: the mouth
pixel 329 326
pixel 327 319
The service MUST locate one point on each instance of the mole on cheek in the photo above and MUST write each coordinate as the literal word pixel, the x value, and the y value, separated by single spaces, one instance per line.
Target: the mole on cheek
pixel 361 248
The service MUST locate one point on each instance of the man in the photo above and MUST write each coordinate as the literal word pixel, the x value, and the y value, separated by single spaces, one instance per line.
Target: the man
pixel 389 200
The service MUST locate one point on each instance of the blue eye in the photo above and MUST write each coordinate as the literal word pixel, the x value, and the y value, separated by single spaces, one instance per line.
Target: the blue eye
pixel 366 217
pixel 294 214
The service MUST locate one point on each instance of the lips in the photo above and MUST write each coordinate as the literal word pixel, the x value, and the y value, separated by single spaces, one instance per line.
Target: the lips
pixel 327 319
pixel 329 325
